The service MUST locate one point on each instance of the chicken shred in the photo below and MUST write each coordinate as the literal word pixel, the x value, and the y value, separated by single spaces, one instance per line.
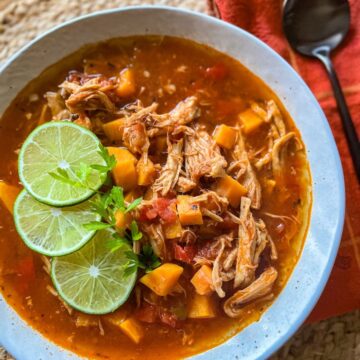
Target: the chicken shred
pixel 261 287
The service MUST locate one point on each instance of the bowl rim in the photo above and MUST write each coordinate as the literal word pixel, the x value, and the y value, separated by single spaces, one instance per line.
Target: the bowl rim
pixel 312 300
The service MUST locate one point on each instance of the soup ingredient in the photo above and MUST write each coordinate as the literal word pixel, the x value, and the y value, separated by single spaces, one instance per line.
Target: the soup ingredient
pixel 250 121
pixel 133 329
pixel 189 212
pixel 92 279
pixel 61 150
pixel 225 136
pixel 231 189
pixel 260 288
pixel 163 279
pixel 202 280
pixel 201 307
pixel 124 172
pixel 53 231
pixel 8 194
pixel 126 85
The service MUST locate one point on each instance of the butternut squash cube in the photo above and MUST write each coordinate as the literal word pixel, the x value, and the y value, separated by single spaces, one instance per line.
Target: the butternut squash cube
pixel 201 307
pixel 225 136
pixel 202 280
pixel 163 279
pixel 8 195
pixel 123 220
pixel 126 85
pixel 189 213
pixel 146 172
pixel 114 130
pixel 124 172
pixel 133 329
pixel 231 189
pixel 250 121
pixel 172 230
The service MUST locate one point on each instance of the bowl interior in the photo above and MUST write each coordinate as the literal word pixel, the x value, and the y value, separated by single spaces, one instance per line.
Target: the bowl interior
pixel 308 279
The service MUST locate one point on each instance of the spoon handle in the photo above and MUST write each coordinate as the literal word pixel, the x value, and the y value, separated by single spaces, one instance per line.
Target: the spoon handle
pixel 350 131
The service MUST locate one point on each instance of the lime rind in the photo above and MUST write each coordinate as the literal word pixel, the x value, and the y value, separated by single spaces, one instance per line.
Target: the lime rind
pixel 52 231
pixel 59 144
pixel 92 279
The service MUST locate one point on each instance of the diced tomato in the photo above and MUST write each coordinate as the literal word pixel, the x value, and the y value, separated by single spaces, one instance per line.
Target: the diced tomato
pixel 168 318
pixel 164 209
pixel 147 313
pixel 161 207
pixel 185 254
pixel 217 72
pixel 147 213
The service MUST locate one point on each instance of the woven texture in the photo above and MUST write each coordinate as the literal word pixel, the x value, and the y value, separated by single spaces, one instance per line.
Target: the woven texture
pixel 21 21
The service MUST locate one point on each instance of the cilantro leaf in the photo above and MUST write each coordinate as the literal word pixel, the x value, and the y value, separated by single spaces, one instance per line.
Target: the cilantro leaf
pixel 110 160
pixel 134 204
pixel 96 225
pixel 148 259
pixel 136 235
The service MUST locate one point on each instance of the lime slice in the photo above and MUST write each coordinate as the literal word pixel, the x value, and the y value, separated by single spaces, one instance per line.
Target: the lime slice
pixel 64 145
pixel 52 231
pixel 92 279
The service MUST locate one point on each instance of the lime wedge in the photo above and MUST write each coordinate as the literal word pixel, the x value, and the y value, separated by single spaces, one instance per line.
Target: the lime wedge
pixel 52 231
pixel 92 279
pixel 64 145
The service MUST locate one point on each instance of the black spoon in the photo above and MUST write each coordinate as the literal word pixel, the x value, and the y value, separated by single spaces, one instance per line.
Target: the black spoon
pixel 314 28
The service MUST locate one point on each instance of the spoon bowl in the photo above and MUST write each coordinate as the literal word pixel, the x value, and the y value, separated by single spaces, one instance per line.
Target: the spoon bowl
pixel 315 28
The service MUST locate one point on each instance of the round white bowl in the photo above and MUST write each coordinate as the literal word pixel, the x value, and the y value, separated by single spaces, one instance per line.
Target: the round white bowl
pixel 279 323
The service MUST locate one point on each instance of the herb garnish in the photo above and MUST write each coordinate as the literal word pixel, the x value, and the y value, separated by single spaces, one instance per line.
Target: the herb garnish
pixel 107 204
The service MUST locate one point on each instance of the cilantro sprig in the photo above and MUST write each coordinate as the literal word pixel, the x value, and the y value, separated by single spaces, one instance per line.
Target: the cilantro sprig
pixel 107 204
pixel 80 177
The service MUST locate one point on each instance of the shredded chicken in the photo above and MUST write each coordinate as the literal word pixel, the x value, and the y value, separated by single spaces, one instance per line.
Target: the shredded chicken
pixel 245 268
pixel 184 112
pixel 203 156
pixel 245 173
pixel 89 96
pixel 261 287
pixel 169 174
pixel 156 238
pixel 218 275
pixel 135 138
pixel 185 185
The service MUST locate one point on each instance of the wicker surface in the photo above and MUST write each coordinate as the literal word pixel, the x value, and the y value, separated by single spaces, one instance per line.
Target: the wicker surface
pixel 20 21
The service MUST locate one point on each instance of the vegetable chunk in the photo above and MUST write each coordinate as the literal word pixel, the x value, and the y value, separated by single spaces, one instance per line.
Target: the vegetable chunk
pixel 163 279
pixel 250 121
pixel 201 307
pixel 133 329
pixel 124 173
pixel 202 280
pixel 114 130
pixel 189 213
pixel 126 85
pixel 146 172
pixel 225 136
pixel 8 194
pixel 231 189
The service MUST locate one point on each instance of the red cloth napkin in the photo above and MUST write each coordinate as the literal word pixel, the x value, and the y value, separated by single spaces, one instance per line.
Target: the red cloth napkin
pixel 264 20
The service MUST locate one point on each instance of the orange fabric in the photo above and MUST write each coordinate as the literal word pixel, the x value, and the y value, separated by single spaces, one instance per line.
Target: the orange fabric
pixel 263 19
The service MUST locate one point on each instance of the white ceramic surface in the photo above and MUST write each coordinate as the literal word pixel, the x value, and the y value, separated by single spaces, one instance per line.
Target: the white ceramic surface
pixel 295 302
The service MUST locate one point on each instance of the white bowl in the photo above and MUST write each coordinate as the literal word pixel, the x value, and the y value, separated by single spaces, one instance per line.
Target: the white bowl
pixel 260 339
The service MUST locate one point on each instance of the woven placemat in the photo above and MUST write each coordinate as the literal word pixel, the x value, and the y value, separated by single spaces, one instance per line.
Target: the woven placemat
pixel 20 21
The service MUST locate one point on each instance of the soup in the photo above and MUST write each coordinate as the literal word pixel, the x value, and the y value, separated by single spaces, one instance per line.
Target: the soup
pixel 214 188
